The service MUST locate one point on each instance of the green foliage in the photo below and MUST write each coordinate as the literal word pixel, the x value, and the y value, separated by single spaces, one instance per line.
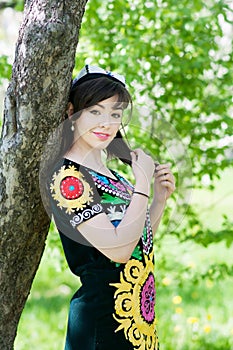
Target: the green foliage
pixel 173 59
pixel 18 5
pixel 5 68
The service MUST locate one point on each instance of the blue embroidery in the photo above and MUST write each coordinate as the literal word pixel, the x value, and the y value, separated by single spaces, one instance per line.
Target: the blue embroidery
pixel 100 177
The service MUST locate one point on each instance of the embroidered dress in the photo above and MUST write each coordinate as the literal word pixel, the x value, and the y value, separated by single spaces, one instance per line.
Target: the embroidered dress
pixel 114 307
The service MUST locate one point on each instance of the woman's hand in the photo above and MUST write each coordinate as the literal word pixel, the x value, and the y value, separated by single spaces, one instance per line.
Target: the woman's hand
pixel 143 168
pixel 164 183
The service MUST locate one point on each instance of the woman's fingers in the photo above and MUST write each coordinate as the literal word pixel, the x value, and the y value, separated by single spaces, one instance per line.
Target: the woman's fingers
pixel 168 184
pixel 162 167
pixel 143 164
pixel 133 156
pixel 165 177
pixel 162 172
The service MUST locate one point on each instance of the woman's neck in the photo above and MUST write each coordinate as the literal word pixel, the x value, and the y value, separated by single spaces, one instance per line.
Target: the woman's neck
pixel 92 159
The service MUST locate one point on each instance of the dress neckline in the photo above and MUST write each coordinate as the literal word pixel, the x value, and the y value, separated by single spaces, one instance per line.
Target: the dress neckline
pixel 114 173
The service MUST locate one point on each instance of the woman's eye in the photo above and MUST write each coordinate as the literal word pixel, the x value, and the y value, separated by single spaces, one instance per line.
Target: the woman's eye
pixel 95 112
pixel 116 115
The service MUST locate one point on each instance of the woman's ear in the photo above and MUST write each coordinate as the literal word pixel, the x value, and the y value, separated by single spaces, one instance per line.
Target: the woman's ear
pixel 70 109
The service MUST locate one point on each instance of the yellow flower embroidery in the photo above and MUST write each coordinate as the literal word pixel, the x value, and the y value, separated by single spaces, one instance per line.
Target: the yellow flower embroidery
pixel 134 303
pixel 70 189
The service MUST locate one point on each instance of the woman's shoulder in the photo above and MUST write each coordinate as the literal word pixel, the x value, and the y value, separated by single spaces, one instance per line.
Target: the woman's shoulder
pixel 71 179
pixel 66 167
pixel 66 162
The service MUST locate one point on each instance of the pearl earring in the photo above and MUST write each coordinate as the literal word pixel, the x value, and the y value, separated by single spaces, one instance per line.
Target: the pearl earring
pixel 72 126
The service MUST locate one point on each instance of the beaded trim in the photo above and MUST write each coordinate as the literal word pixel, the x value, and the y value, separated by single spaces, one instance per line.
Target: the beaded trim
pixel 111 186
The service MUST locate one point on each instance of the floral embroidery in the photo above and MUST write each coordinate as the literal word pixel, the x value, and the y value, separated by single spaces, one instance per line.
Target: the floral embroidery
pixel 148 299
pixel 70 189
pixel 137 253
pixel 134 304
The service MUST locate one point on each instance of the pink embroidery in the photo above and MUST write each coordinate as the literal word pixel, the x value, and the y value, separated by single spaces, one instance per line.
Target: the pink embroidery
pixel 118 185
pixel 148 299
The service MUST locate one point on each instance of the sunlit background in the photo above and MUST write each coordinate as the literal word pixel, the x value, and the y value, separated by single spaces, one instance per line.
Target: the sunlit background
pixel 194 271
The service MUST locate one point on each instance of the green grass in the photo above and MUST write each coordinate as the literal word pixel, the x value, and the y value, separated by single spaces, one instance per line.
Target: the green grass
pixel 191 316
pixel 203 315
pixel 43 323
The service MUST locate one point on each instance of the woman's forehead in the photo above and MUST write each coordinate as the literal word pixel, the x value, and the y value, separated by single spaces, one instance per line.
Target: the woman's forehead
pixel 112 102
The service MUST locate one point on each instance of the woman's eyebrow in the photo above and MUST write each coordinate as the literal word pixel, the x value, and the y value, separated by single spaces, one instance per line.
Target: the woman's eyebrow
pixel 98 104
pixel 115 106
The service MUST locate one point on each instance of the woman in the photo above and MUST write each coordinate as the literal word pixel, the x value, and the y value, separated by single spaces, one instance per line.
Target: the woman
pixel 104 222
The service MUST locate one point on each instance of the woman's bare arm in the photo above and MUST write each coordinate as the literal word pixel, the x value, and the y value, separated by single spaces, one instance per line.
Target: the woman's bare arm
pixel 118 243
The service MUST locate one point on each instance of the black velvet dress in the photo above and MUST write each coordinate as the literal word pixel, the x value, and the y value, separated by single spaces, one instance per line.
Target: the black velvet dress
pixel 114 307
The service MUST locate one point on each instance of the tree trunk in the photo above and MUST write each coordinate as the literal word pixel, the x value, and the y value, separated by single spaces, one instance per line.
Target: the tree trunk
pixel 34 104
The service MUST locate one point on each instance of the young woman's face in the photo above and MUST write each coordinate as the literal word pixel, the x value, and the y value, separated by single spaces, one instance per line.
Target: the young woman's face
pixel 97 126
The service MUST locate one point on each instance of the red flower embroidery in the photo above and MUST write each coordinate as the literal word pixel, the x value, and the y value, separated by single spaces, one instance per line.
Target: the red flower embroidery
pixel 71 187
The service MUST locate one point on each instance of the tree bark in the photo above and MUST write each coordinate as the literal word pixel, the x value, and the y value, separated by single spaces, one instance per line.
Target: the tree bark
pixel 35 102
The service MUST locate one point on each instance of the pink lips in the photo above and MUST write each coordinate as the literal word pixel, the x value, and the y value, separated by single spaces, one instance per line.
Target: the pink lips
pixel 101 136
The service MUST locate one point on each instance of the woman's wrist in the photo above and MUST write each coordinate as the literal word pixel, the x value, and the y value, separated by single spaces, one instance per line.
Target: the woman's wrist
pixel 158 202
pixel 142 186
pixel 141 194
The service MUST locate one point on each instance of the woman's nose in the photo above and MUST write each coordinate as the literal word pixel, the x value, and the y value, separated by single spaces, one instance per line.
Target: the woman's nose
pixel 105 120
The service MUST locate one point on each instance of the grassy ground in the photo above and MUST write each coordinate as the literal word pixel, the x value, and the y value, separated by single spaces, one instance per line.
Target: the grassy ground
pixel 43 322
pixel 191 316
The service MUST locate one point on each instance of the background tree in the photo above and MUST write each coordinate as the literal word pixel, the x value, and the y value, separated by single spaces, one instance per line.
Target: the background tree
pixel 35 102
